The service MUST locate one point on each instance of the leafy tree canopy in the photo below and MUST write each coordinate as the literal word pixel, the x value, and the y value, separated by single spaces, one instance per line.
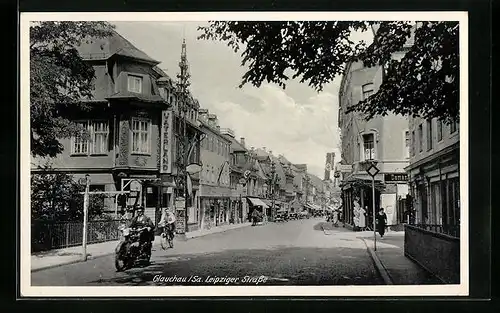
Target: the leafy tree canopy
pixel 59 77
pixel 424 82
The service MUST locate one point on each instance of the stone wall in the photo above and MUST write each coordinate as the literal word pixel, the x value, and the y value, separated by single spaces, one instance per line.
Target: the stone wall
pixel 437 253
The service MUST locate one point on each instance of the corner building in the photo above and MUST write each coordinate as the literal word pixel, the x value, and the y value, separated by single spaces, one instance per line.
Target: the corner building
pixel 383 139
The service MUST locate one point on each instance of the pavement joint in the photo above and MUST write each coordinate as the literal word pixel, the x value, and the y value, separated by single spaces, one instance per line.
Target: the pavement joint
pixel 379 265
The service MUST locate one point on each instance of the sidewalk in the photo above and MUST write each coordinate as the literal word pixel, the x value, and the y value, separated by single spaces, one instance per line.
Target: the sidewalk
pixel 54 258
pixel 394 267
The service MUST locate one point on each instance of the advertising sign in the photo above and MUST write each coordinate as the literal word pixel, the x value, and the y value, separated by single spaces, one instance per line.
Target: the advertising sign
pixel 166 142
pixel 397 177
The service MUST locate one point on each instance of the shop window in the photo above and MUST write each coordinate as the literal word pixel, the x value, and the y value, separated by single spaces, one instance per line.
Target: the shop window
pixel 151 196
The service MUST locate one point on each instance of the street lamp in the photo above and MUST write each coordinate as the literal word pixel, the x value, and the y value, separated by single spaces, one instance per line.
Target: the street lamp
pixel 372 171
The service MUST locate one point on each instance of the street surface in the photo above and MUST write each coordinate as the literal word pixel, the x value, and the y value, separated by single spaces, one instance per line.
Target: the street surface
pixel 291 253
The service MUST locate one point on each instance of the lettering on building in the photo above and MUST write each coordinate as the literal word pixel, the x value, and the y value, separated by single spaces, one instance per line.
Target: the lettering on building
pixel 395 177
pixel 166 142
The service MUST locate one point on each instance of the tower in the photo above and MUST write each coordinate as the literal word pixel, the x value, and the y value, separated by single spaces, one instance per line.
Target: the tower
pixel 330 159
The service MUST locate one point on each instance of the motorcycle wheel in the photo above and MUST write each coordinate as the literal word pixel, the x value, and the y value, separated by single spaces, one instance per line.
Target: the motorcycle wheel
pixel 120 263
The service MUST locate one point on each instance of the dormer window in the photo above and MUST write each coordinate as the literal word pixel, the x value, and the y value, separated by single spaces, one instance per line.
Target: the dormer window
pixel 135 84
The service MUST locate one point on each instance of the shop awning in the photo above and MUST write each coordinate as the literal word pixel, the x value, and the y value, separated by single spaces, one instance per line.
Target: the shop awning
pixel 258 202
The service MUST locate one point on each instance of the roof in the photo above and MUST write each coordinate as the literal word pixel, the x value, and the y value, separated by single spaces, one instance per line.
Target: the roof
pixel 131 95
pixel 235 145
pixel 316 181
pixel 115 44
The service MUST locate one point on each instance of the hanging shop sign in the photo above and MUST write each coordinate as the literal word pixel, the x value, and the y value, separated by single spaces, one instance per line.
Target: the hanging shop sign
pixel 166 142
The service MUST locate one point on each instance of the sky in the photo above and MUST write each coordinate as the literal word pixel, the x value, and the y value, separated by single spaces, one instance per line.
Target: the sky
pixel 297 122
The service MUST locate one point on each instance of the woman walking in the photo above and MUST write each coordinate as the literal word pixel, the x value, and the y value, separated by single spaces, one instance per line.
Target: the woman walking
pixel 381 222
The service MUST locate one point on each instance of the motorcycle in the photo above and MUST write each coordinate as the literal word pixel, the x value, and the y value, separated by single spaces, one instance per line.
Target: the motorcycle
pixel 130 250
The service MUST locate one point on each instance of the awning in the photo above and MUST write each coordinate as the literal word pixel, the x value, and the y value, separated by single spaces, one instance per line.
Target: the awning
pixel 257 202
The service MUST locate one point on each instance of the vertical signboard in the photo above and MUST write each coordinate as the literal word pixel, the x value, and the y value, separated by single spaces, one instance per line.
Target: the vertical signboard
pixel 166 142
pixel 180 210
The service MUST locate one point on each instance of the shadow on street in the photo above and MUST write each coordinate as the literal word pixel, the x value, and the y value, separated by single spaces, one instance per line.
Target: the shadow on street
pixel 279 266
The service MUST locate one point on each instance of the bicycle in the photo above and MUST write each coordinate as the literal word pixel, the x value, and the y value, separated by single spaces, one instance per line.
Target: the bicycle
pixel 167 238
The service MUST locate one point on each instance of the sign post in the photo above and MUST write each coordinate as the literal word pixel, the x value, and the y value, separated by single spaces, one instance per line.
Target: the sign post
pixel 85 216
pixel 373 171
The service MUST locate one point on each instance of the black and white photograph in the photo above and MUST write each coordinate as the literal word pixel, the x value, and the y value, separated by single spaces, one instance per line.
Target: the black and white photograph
pixel 243 154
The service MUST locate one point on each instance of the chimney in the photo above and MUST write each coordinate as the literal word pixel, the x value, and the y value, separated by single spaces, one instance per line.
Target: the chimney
pixel 218 128
pixel 271 152
pixel 242 141
pixel 264 148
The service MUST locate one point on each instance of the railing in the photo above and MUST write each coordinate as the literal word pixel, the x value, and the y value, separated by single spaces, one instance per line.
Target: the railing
pixel 47 235
pixel 450 230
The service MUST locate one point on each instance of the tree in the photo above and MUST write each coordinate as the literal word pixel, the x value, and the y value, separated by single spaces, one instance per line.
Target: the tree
pixel 59 79
pixel 57 197
pixel 423 83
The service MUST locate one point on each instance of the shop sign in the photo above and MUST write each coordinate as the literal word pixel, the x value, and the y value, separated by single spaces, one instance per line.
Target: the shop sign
pixel 399 177
pixel 180 203
pixel 180 221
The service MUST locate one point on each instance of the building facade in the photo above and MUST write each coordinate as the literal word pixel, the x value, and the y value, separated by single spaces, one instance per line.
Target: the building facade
pixel 215 192
pixel 123 147
pixel 383 140
pixel 434 173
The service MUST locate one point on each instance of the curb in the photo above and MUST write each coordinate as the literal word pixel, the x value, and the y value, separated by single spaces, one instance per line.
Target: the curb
pixel 378 265
pixel 90 257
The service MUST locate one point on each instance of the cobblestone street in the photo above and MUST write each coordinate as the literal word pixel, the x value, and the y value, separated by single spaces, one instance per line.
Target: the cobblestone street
pixel 293 253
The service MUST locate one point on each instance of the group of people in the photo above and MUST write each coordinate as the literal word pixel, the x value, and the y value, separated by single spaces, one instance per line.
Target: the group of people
pixel 167 221
pixel 336 216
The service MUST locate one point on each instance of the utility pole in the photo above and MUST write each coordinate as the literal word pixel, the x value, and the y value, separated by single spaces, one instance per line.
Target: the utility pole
pixel 85 216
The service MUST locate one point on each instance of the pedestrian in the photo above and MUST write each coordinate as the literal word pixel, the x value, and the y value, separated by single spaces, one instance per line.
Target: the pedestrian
pixel 381 222
pixel 255 216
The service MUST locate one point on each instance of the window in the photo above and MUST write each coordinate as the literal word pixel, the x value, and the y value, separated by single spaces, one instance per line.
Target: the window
pixel 420 138
pixel 79 144
pixel 99 137
pixel 95 143
pixel 407 144
pixel 429 135
pixel 141 136
pixel 369 146
pixel 413 143
pixel 453 127
pixel 367 90
pixel 439 130
pixel 135 84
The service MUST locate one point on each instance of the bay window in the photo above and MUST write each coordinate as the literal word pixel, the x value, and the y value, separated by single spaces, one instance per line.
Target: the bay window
pixel 141 136
pixel 96 143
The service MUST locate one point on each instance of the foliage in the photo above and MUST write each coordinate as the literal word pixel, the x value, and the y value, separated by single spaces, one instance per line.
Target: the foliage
pixel 59 78
pixel 424 82
pixel 56 197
